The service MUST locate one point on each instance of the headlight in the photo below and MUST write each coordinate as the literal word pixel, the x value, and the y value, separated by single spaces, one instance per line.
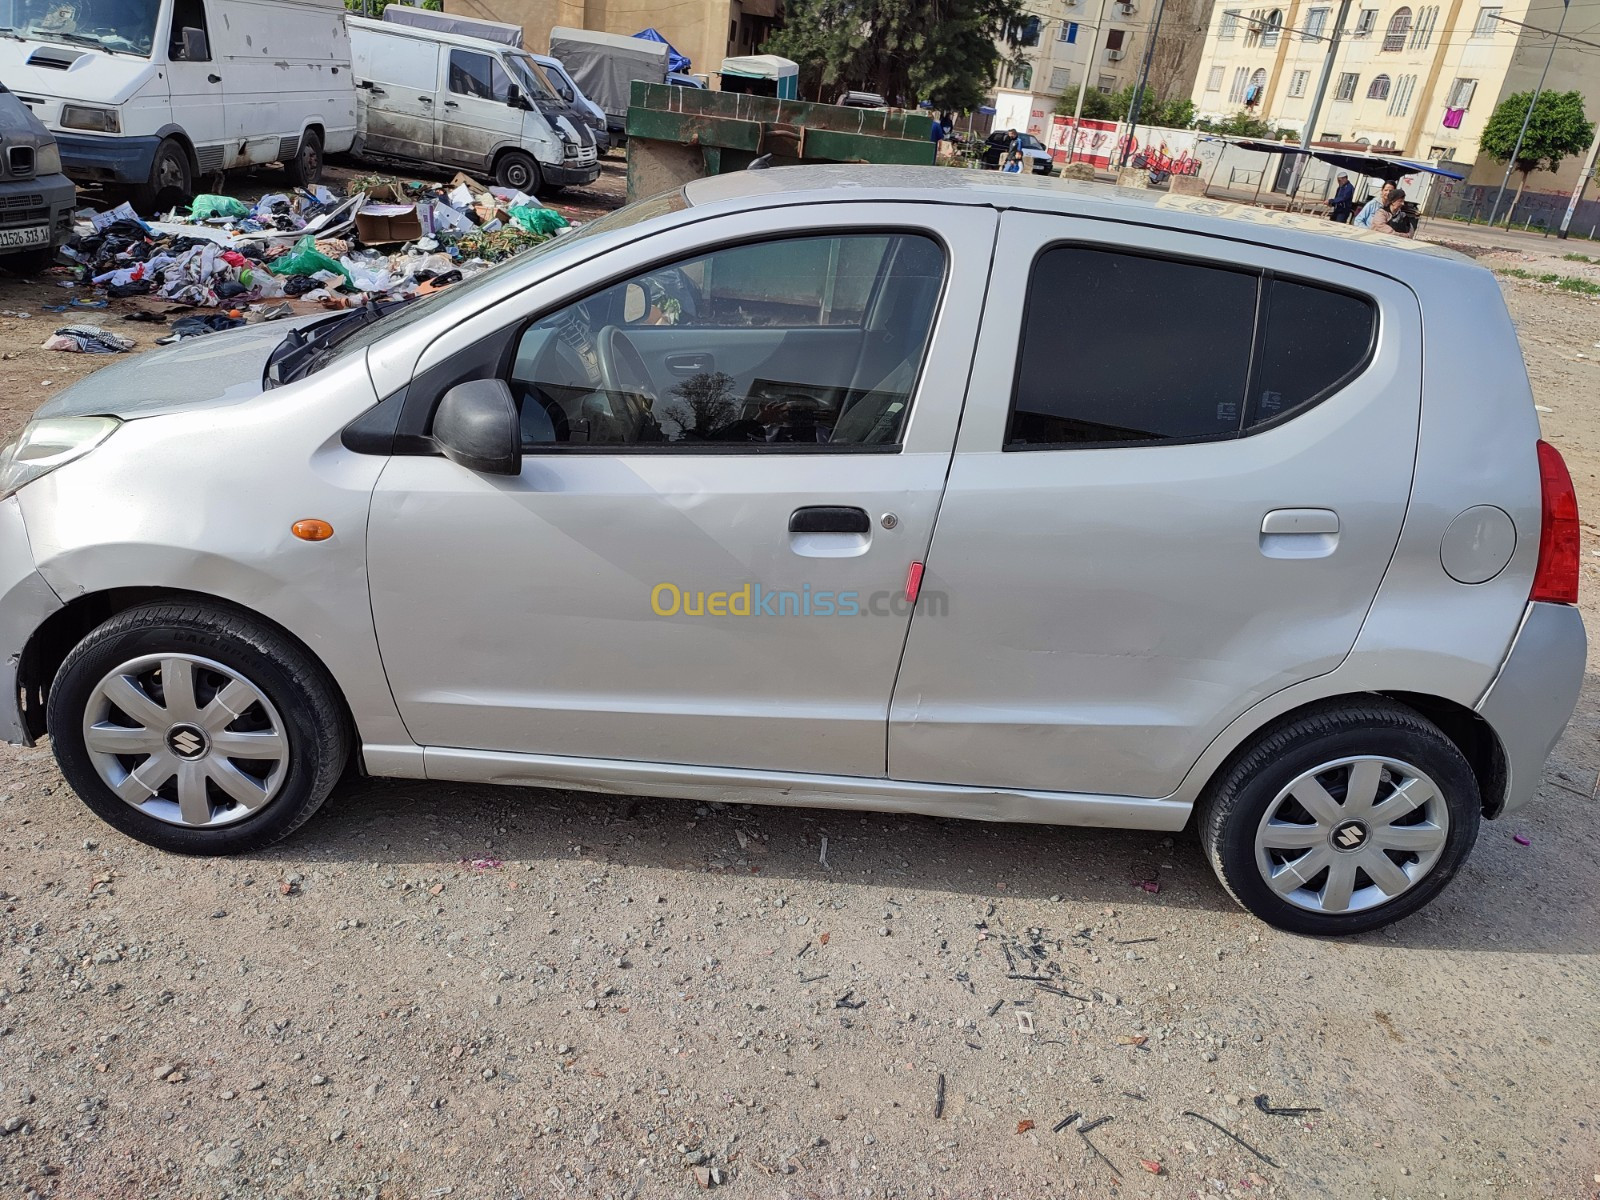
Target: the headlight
pixel 47 160
pixel 45 445
pixel 95 120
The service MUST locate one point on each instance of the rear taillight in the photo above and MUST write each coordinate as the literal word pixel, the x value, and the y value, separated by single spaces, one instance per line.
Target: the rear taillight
pixel 1555 579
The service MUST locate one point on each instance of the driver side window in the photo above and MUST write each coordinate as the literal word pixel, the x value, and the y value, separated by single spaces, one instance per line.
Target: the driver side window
pixel 795 344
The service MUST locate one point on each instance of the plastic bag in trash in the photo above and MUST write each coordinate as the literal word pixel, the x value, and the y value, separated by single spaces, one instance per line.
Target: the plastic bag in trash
pixel 206 207
pixel 533 219
pixel 306 259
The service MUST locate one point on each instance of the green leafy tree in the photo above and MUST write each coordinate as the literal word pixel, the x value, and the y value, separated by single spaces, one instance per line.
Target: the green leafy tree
pixel 374 8
pixel 1168 114
pixel 1556 130
pixel 1097 106
pixel 942 51
pixel 1243 124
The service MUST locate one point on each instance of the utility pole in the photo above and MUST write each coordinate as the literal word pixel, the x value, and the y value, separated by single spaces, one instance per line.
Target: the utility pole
pixel 1144 74
pixel 1527 117
pixel 1315 114
pixel 1083 84
pixel 1583 180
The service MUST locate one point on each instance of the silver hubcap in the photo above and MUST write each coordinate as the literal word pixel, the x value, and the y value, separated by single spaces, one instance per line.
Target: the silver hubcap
pixel 185 740
pixel 1352 834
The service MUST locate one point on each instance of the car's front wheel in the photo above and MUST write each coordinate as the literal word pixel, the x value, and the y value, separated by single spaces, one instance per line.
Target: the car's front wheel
pixel 197 729
pixel 1343 819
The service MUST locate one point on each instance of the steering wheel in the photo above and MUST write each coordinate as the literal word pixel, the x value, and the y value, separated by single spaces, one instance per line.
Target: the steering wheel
pixel 622 367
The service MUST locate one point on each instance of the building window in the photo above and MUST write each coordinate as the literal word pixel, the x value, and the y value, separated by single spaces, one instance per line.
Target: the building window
pixel 1378 89
pixel 1488 22
pixel 1297 84
pixel 1316 22
pixel 1422 31
pixel 1461 93
pixel 1400 97
pixel 1022 77
pixel 1438 152
pixel 1366 22
pixel 1399 27
pixel 1214 80
pixel 1274 27
pixel 1064 34
pixel 1060 77
pixel 1241 80
pixel 1106 85
pixel 1346 89
pixel 1229 28
pixel 1115 38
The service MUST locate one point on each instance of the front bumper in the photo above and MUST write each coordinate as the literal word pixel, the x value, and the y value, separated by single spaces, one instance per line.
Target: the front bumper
pixel 92 159
pixel 1532 699
pixel 575 176
pixel 25 601
pixel 42 200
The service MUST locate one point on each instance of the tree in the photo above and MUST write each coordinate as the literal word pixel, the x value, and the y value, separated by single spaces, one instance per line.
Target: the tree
pixel 1097 106
pixel 374 8
pixel 1243 124
pixel 1556 130
pixel 942 51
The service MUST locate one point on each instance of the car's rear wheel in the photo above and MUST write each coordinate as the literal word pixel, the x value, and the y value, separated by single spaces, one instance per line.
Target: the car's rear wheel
pixel 1343 819
pixel 197 729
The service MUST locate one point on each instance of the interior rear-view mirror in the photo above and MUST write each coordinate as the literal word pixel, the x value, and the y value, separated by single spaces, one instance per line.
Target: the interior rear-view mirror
pixel 476 427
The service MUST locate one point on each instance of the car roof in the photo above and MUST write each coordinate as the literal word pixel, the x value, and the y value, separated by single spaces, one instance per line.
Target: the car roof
pixel 1302 232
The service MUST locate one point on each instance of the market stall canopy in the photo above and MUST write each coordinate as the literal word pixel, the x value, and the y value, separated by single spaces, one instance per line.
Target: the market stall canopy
pixel 677 61
pixel 783 73
pixel 1377 166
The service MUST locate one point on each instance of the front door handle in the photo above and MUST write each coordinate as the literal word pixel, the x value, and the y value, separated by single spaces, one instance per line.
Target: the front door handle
pixel 1299 533
pixel 425 99
pixel 451 104
pixel 214 78
pixel 822 518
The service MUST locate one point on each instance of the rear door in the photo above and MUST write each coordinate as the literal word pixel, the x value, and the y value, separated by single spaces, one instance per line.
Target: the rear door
pixel 397 77
pixel 1175 492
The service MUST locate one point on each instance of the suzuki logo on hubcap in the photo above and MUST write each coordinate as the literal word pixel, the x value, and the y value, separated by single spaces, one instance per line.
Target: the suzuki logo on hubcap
pixel 186 741
pixel 1352 835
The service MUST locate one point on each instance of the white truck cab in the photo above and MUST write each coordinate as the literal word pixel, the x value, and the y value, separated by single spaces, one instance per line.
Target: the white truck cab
pixel 159 94
pixel 469 103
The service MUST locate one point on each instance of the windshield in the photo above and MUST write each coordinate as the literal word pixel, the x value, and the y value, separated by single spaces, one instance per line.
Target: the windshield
pixel 121 26
pixel 426 306
pixel 560 82
pixel 535 83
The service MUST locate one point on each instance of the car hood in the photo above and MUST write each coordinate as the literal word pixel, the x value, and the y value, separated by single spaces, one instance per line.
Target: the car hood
pixel 211 371
pixel 92 76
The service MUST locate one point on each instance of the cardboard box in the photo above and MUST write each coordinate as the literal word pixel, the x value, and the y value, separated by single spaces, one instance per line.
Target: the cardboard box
pixel 382 224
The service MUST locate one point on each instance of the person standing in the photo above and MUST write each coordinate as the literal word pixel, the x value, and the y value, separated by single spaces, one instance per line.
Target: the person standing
pixel 1391 216
pixel 1370 208
pixel 1344 200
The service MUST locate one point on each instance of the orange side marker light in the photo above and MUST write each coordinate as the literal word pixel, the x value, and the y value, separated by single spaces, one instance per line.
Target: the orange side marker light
pixel 312 530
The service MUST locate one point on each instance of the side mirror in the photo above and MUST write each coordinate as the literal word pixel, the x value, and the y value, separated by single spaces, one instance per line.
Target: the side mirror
pixel 196 46
pixel 515 98
pixel 477 427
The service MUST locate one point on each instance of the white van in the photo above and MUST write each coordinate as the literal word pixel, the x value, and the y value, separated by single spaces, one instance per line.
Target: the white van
pixel 481 106
pixel 159 94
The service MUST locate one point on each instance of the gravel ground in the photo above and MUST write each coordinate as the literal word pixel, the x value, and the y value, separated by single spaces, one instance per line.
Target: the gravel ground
pixel 469 992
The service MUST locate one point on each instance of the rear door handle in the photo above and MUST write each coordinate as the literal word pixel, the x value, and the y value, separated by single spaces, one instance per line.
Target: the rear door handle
pixel 1299 533
pixel 214 78
pixel 825 519
pixel 425 99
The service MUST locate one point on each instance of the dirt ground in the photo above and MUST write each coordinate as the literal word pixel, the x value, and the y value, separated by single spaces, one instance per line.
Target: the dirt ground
pixel 450 991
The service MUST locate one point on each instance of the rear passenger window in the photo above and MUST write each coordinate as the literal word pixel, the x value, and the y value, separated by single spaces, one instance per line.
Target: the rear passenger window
pixel 1315 341
pixel 1120 348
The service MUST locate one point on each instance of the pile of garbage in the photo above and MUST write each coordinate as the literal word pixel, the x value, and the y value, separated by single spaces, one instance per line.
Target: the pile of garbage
pixel 291 253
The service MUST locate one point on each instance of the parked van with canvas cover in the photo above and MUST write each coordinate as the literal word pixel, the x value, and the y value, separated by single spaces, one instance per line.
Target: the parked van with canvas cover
pixel 158 94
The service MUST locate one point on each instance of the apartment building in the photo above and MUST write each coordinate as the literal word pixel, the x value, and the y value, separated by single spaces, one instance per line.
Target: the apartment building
pixel 1101 43
pixel 1419 79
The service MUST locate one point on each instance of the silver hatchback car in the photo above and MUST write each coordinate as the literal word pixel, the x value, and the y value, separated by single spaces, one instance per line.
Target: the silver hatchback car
pixel 912 490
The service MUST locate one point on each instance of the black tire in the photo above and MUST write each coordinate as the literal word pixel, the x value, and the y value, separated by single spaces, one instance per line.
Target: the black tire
pixel 1233 812
pixel 305 168
pixel 519 170
pixel 171 179
pixel 306 701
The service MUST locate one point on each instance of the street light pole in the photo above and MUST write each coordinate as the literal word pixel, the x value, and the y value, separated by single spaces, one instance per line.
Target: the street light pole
pixel 1527 117
pixel 1138 92
pixel 1307 133
pixel 1083 84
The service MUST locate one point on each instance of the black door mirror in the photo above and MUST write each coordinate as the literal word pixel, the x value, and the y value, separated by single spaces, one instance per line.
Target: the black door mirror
pixel 515 98
pixel 196 46
pixel 477 427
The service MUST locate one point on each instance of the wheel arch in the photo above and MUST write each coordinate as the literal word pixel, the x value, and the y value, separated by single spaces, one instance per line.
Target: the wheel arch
pixel 177 133
pixel 1469 732
pixel 55 637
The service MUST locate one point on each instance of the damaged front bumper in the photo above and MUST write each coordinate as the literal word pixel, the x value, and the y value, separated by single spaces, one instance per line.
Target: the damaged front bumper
pixel 26 601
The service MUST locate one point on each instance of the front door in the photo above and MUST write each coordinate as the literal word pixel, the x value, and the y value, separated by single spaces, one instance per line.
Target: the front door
pixel 732 458
pixel 397 76
pixel 1178 498
pixel 196 84
pixel 476 117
